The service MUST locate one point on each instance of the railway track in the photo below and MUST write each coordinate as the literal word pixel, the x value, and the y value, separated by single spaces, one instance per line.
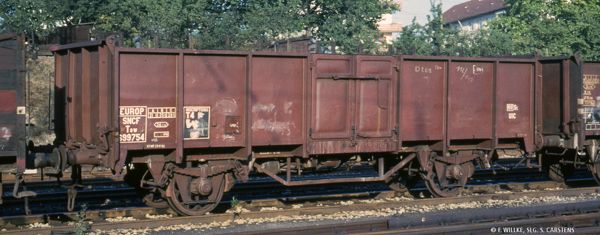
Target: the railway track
pixel 581 217
pixel 315 207
pixel 110 192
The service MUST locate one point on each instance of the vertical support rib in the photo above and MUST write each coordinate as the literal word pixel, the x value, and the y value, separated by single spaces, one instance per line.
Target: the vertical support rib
pixel 69 96
pixel 495 106
pixel 1 187
pixel 179 80
pixel 289 170
pixel 380 166
pixel 298 165
pixel 85 95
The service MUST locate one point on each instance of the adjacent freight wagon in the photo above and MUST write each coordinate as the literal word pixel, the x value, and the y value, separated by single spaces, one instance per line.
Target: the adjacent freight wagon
pixel 12 105
pixel 186 123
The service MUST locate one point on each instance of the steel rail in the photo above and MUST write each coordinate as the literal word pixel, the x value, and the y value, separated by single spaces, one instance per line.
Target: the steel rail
pixel 98 217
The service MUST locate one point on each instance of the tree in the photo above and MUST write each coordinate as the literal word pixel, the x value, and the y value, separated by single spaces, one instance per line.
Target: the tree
pixel 433 37
pixel 31 16
pixel 430 38
pixel 345 22
pixel 553 28
pixel 246 22
pixel 412 40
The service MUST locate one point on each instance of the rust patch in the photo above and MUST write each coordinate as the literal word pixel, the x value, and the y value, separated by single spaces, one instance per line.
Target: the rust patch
pixel 233 124
pixel 9 101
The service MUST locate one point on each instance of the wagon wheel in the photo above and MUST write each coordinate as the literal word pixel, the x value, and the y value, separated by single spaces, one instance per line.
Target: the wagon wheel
pixel 198 205
pixel 559 172
pixel 453 188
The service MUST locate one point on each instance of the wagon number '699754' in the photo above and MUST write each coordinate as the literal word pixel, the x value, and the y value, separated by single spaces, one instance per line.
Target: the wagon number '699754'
pixel 133 121
pixel 133 138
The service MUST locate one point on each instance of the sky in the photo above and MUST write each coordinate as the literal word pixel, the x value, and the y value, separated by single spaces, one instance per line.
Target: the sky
pixel 420 9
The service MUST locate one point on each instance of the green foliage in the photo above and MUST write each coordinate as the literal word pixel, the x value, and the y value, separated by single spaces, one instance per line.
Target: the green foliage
pixel 413 40
pixel 245 22
pixel 32 15
pixel 345 22
pixel 80 226
pixel 561 27
pixel 558 27
pixel 234 202
pixel 428 39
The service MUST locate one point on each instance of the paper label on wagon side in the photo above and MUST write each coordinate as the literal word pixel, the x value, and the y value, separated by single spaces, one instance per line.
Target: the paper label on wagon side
pixel 591 103
pixel 197 119
pixel 133 124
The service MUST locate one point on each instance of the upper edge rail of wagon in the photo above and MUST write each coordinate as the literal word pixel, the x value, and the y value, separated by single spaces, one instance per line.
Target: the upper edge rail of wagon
pixel 76 45
pixel 468 59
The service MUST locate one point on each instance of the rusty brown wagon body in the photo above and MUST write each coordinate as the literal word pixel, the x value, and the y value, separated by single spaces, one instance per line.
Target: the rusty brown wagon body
pixel 186 123
pixel 465 109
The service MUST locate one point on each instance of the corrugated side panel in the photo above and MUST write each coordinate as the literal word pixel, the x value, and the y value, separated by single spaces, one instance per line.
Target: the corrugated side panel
pixel 277 94
pixel 82 93
pixel 61 76
pixel 422 100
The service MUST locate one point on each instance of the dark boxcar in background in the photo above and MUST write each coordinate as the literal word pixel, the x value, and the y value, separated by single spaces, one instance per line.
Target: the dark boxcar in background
pixel 12 103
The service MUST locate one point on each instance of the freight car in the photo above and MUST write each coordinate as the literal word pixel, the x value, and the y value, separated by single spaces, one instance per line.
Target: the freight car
pixel 12 107
pixel 185 124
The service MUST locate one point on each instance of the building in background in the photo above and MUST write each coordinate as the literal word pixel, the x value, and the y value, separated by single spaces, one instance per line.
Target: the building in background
pixel 389 29
pixel 474 14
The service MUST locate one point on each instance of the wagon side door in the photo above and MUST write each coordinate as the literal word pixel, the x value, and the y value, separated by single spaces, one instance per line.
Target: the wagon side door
pixel 353 105
pixel 374 89
pixel 332 96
